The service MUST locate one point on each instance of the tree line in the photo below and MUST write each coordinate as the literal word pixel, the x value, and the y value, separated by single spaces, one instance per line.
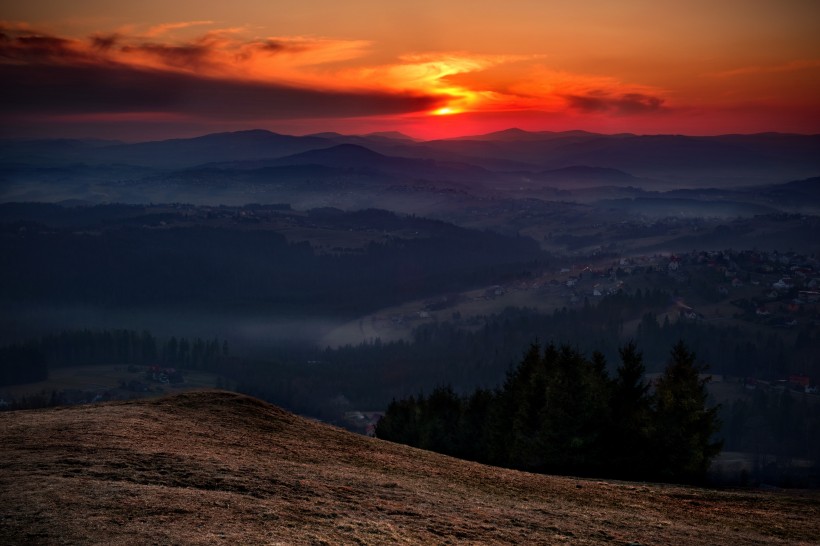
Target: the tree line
pixel 560 412
pixel 31 361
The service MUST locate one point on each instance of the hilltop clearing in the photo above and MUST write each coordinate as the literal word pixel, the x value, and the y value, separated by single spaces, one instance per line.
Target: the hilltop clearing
pixel 212 467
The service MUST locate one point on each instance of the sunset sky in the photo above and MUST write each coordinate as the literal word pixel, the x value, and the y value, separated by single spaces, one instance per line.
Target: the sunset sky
pixel 162 69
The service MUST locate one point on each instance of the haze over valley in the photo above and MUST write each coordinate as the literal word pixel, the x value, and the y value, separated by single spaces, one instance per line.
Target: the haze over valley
pixel 401 273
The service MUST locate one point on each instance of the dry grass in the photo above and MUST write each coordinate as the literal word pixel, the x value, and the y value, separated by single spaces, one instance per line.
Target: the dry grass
pixel 221 468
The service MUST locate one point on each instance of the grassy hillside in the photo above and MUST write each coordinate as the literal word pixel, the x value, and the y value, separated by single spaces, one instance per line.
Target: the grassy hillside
pixel 216 467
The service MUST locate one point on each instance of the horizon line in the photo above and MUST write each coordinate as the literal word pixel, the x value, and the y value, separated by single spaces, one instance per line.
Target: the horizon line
pixel 383 134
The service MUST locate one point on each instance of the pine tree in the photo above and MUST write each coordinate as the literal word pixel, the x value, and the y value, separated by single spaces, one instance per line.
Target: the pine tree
pixel 400 422
pixel 526 394
pixel 684 426
pixel 629 434
pixel 441 417
pixel 575 413
pixel 474 432
pixel 511 416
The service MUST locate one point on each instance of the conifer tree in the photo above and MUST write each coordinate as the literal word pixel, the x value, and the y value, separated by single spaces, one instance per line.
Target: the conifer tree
pixel 527 396
pixel 629 434
pixel 400 422
pixel 510 414
pixel 684 426
pixel 440 419
pixel 575 414
pixel 474 434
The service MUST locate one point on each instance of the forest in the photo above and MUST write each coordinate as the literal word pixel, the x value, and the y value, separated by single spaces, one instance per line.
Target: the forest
pixel 122 256
pixel 559 412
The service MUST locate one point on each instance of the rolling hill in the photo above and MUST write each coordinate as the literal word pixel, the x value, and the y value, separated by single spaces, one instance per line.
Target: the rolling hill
pixel 217 467
pixel 380 170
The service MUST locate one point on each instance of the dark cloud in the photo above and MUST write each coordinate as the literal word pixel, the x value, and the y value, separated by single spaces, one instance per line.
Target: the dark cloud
pixel 189 55
pixel 628 103
pixel 53 76
pixel 34 47
pixel 272 46
pixel 635 103
pixel 278 46
pixel 588 103
pixel 56 89
pixel 104 42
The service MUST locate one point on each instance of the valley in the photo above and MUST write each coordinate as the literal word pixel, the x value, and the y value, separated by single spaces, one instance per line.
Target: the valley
pixel 350 270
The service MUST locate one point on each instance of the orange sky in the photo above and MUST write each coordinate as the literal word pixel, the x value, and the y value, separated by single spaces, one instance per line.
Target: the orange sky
pixel 154 69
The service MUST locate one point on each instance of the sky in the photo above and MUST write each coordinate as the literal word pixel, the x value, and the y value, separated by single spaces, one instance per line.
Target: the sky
pixel 431 69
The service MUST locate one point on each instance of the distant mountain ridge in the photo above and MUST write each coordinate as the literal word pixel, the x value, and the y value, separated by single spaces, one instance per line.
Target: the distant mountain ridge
pixel 515 134
pixel 239 145
pixel 549 150
pixel 356 158
pixel 511 163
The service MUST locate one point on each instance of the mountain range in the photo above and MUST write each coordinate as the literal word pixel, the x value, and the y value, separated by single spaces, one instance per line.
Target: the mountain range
pixel 393 171
pixel 540 150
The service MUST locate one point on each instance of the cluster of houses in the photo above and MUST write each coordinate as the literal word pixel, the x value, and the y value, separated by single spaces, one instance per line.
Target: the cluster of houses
pixel 780 285
pixel 363 422
pixel 795 382
pixel 165 376
pixel 784 285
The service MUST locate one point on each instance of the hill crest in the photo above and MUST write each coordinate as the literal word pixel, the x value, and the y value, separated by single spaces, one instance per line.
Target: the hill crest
pixel 203 467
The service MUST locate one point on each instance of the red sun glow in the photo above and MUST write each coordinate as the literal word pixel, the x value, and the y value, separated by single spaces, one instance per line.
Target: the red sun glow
pixel 213 75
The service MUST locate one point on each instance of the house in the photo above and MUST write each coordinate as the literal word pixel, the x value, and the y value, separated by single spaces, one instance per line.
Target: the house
pixel 164 375
pixel 494 291
pixel 801 381
pixel 784 283
pixel 809 296
pixel 596 291
pixel 362 422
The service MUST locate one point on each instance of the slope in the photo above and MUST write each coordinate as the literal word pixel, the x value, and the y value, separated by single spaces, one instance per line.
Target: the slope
pixel 216 467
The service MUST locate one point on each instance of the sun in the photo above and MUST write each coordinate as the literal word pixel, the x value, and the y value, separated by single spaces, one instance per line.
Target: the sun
pixel 445 111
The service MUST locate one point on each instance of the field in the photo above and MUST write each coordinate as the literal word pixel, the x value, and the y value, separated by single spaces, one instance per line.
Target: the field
pixel 215 467
pixel 398 322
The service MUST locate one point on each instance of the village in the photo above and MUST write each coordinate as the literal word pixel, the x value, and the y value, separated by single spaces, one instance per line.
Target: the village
pixel 776 289
pixel 769 290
